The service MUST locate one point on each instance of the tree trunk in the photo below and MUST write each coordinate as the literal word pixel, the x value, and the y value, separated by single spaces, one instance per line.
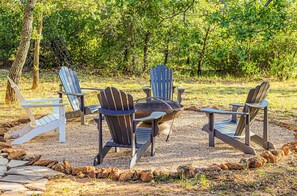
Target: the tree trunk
pixel 199 70
pixel 145 50
pixel 20 58
pixel 166 54
pixel 36 54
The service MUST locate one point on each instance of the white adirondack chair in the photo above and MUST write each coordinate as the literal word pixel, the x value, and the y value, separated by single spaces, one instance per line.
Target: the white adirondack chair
pixel 54 121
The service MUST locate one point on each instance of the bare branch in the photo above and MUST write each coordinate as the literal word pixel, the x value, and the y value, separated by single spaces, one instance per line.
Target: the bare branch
pixel 267 3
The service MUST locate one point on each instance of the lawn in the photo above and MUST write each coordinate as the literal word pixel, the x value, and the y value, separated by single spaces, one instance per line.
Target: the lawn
pixel 202 92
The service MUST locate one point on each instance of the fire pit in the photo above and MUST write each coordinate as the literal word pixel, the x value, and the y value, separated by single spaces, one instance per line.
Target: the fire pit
pixel 144 107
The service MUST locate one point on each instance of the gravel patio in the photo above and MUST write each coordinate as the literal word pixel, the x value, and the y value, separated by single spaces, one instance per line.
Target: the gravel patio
pixel 187 144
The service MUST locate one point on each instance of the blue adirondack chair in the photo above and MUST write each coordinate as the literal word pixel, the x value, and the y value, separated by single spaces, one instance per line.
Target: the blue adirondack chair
pixel 75 95
pixel 161 84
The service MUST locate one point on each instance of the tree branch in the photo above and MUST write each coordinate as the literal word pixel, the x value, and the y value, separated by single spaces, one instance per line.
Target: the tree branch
pixel 267 3
pixel 183 11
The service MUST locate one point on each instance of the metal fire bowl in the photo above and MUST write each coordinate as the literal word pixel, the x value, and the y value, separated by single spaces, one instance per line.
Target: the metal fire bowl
pixel 144 109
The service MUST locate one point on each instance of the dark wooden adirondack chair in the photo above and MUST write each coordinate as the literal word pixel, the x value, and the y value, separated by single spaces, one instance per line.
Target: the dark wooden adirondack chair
pixel 161 84
pixel 74 93
pixel 239 134
pixel 118 110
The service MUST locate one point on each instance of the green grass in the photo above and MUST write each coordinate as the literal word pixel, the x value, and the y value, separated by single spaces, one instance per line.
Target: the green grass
pixel 202 92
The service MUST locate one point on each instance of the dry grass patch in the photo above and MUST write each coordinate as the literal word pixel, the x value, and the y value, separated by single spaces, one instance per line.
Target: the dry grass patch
pixel 201 92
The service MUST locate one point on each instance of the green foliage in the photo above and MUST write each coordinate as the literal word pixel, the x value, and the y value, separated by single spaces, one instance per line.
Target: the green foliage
pixel 10 27
pixel 238 38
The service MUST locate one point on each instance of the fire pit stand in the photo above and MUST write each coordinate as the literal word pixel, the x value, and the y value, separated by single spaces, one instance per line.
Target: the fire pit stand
pixel 145 106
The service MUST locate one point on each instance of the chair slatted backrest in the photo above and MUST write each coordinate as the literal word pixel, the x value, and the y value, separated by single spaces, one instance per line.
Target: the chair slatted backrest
pixel 120 126
pixel 256 95
pixel 162 82
pixel 70 83
pixel 22 101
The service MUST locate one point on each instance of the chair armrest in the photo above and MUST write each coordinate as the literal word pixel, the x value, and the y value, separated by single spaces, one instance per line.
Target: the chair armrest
pixel 42 100
pixel 180 91
pixel 180 88
pixel 153 116
pixel 237 104
pixel 43 105
pixel 214 111
pixel 147 90
pixel 92 89
pixel 262 105
pixel 73 94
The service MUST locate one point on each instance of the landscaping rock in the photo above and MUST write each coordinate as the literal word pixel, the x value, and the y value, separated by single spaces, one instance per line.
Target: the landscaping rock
pixel 4 155
pixel 8 186
pixel 256 162
pixel 21 193
pixel 19 179
pixel 16 154
pixel 26 158
pixel 38 185
pixel 287 151
pixel 126 175
pixel 214 167
pixel 268 156
pixel 8 150
pixel 104 173
pixel 34 159
pixel 244 162
pixel 67 166
pixel 146 176
pixel 52 164
pixel 292 146
pixel 3 169
pixel 278 154
pixel 83 169
pixel 114 174
pixel 44 162
pixel 16 163
pixel 81 175
pixel 136 175
pixel 234 166
pixel 186 171
pixel 3 161
pixel 34 171
pixel 58 167
pixel 4 145
pixel 224 166
pixel 93 174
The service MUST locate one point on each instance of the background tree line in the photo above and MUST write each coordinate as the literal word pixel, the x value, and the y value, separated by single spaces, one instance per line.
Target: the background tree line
pixel 194 37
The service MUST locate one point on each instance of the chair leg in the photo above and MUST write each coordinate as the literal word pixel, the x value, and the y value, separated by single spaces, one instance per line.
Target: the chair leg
pixel 100 156
pixel 211 130
pixel 35 132
pixel 62 120
pixel 260 141
pixel 139 153
pixel 82 118
pixel 82 111
pixel 247 130
pixel 20 133
pixel 152 145
pixel 265 129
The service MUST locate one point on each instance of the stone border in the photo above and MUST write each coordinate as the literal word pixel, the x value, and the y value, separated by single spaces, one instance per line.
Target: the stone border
pixel 182 172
